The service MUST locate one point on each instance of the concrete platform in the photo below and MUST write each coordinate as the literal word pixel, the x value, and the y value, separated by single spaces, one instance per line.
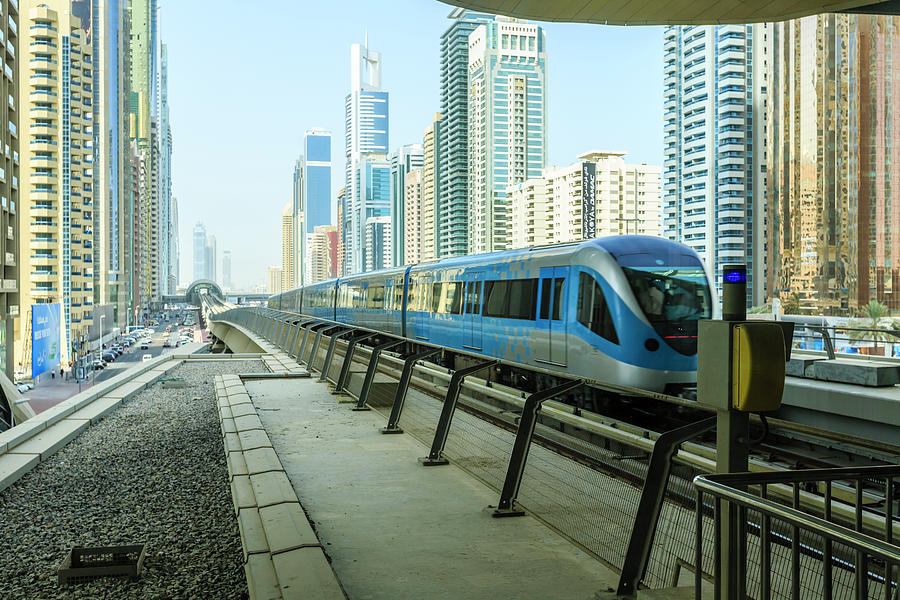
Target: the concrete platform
pixel 394 529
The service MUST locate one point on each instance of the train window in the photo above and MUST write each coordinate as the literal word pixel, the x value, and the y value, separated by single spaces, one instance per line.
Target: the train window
pixel 496 298
pixel 411 296
pixel 424 288
pixel 593 311
pixel 473 298
pixel 376 297
pixel 522 299
pixel 453 300
pixel 436 297
pixel 551 289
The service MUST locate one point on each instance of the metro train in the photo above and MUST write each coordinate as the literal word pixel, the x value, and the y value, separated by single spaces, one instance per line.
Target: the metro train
pixel 619 309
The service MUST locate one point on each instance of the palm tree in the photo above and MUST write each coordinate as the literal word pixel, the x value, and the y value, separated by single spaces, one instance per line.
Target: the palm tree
pixel 872 315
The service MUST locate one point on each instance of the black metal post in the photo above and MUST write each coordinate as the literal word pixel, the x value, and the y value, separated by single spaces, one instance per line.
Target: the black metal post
pixel 403 385
pixel 507 505
pixel 652 498
pixel 370 373
pixel 435 457
pixel 300 325
pixel 348 358
pixel 310 364
pixel 306 332
pixel 330 354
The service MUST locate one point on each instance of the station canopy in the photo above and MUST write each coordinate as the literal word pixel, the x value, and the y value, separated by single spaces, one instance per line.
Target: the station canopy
pixel 671 12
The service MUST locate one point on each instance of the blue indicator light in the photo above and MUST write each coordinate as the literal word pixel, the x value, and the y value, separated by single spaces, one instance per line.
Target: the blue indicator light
pixel 735 276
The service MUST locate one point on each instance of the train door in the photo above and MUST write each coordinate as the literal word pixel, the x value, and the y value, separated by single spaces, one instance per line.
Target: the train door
pixel 550 337
pixel 474 284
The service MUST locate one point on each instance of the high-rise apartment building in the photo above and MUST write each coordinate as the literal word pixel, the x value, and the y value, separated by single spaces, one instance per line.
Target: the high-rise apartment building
pixel 377 253
pixel 57 253
pixel 323 253
pixel 507 123
pixel 453 143
pixel 288 253
pixel 166 234
pixel 431 181
pixel 200 252
pixel 341 231
pixel 226 270
pixel 273 280
pixel 598 195
pixel 296 223
pixel 367 171
pixel 176 245
pixel 9 191
pixel 714 169
pixel 403 160
pixel 412 222
pixel 833 144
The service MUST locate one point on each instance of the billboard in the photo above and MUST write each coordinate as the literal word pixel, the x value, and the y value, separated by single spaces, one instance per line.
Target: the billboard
pixel 588 200
pixel 44 338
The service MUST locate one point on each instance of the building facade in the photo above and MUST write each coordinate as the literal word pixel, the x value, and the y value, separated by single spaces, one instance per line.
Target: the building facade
pixel 226 270
pixel 315 203
pixel 323 253
pixel 714 170
pixel 403 160
pixel 377 240
pixel 212 257
pixel 412 222
pixel 833 148
pixel 10 307
pixel 200 271
pixel 367 171
pixel 597 196
pixel 507 123
pixel 431 182
pixel 57 252
pixel 288 253
pixel 273 280
pixel 453 142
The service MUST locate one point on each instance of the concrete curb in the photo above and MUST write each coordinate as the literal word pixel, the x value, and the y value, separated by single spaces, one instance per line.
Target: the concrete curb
pixel 283 558
pixel 38 438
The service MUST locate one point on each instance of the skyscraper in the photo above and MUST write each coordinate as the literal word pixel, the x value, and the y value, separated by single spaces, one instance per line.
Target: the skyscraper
pixel 291 268
pixel 200 252
pixel 377 249
pixel 365 147
pixel 833 143
pixel 431 181
pixel 226 269
pixel 403 160
pixel 9 192
pixel 166 238
pixel 323 253
pixel 288 252
pixel 212 257
pixel 507 122
pixel 273 280
pixel 57 253
pixel 453 142
pixel 316 191
pixel 714 169
pixel 412 221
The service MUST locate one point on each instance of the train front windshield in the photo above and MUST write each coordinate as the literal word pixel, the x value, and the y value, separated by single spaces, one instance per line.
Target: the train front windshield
pixel 674 294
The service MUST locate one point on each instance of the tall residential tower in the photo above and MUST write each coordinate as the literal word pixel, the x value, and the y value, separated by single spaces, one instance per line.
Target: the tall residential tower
pixel 714 169
pixel 507 123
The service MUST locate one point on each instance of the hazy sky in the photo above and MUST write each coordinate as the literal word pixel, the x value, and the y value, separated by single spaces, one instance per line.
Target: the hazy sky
pixel 246 81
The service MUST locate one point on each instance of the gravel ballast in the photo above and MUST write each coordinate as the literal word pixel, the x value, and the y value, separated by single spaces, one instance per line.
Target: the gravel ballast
pixel 151 472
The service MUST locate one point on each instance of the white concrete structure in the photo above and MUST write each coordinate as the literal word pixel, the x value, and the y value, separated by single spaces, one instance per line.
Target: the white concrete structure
pixel 549 209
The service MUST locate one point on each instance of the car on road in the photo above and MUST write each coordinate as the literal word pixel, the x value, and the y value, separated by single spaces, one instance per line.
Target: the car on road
pixel 146 357
pixel 97 365
pixel 24 387
pixel 167 344
pixel 145 345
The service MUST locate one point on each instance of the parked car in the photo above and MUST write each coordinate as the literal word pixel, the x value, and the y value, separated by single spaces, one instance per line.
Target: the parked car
pixel 97 365
pixel 24 387
pixel 109 357
pixel 146 357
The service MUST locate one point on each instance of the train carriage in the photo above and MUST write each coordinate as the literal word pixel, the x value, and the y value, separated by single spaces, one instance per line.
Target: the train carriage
pixel 622 309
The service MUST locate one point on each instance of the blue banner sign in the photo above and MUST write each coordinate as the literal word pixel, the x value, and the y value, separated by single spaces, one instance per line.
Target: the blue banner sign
pixel 44 338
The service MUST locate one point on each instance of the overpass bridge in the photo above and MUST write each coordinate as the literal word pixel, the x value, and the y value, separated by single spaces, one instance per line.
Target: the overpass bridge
pixel 205 287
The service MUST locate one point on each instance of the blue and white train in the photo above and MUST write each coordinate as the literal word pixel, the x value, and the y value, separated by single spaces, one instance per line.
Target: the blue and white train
pixel 620 309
